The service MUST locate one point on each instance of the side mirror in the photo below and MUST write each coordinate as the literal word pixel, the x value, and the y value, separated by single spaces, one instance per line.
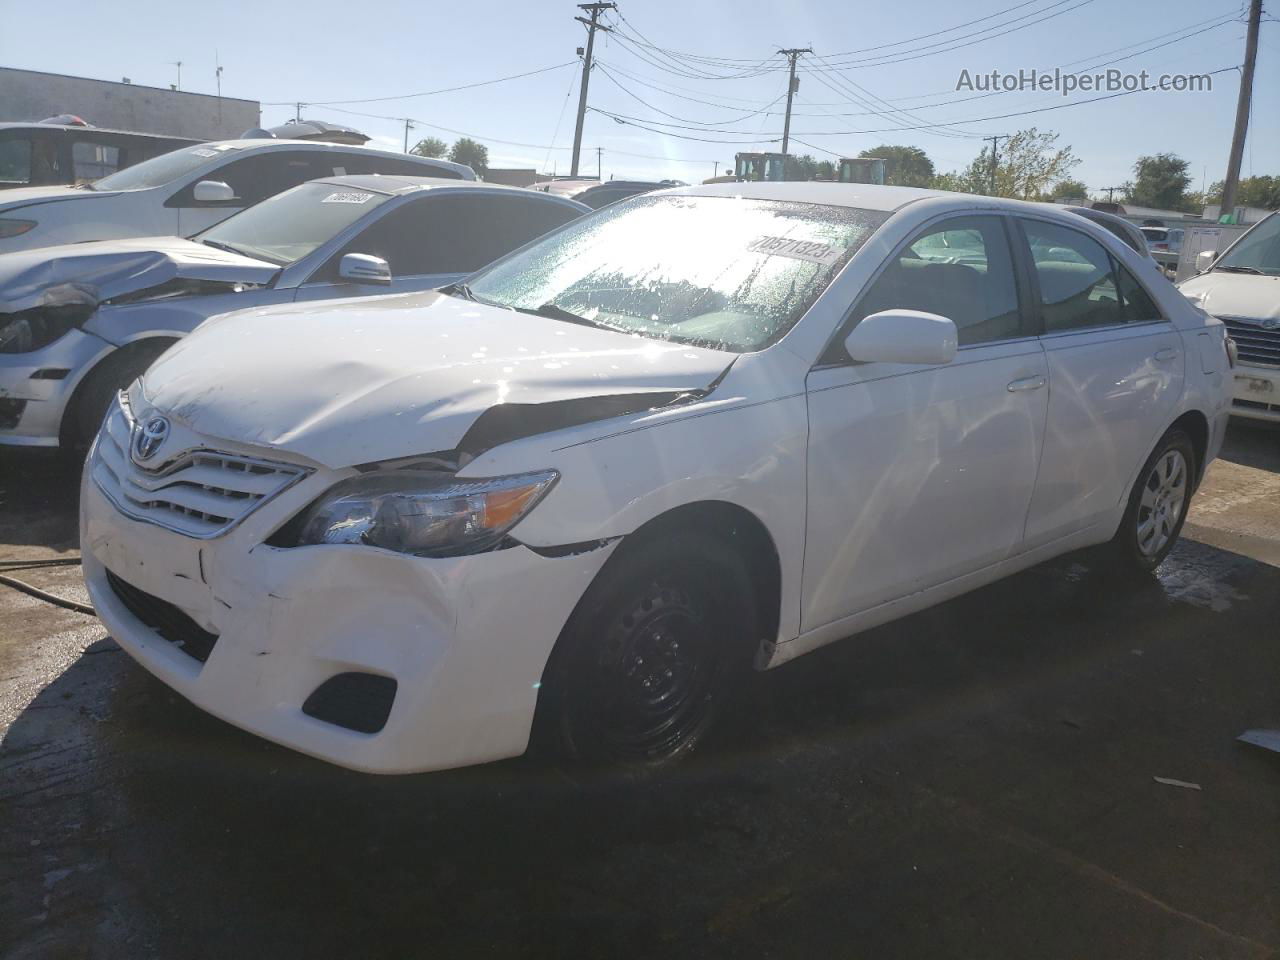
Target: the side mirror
pixel 362 268
pixel 1204 260
pixel 213 191
pixel 903 336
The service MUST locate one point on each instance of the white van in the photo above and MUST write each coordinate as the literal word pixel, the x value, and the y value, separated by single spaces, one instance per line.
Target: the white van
pixel 1242 289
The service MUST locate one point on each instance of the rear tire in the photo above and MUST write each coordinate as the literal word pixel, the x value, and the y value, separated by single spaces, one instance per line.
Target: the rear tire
pixel 653 656
pixel 1157 505
pixel 101 386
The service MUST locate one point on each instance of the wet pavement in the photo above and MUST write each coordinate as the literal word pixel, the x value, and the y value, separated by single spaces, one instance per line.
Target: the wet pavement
pixel 975 780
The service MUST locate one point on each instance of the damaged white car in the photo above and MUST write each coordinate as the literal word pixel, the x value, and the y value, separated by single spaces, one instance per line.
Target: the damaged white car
pixel 581 495
pixel 81 321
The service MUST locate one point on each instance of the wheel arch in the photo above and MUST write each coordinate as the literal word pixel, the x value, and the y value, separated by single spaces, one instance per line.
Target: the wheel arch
pixel 1196 425
pixel 121 354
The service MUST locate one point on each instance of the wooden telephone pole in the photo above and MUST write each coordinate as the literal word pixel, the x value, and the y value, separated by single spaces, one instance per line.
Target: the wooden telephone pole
pixel 1232 183
pixel 594 24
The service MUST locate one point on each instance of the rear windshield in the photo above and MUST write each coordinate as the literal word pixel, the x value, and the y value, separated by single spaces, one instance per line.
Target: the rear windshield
pixel 163 169
pixel 285 228
pixel 725 272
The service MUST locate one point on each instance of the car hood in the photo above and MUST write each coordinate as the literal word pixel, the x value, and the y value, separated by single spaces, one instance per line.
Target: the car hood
pixel 1224 294
pixel 97 271
pixel 359 381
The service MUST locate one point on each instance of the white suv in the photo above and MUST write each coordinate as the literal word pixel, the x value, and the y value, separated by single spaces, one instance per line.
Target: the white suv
pixel 696 432
pixel 183 192
pixel 1242 289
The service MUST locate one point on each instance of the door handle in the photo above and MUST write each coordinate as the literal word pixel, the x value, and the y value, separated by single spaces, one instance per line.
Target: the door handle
pixel 1168 353
pixel 1027 383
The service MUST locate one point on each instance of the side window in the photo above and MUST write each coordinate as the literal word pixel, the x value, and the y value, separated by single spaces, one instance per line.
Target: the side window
pixel 15 161
pixel 961 269
pixel 402 237
pixel 91 161
pixel 1077 278
pixel 257 177
pixel 1138 305
pixel 484 228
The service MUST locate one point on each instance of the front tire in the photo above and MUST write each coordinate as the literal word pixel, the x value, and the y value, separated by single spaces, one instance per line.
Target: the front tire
pixel 1157 505
pixel 653 656
pixel 107 379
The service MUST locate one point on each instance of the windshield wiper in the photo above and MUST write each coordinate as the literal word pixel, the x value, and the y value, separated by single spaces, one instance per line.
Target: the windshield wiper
pixel 1235 269
pixel 227 247
pixel 464 292
pixel 556 312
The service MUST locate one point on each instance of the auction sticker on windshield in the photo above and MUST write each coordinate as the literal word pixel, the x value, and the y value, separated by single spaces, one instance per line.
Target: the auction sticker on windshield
pixel 348 197
pixel 812 250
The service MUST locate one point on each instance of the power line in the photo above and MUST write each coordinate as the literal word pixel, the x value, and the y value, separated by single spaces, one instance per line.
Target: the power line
pixel 745 115
pixel 424 93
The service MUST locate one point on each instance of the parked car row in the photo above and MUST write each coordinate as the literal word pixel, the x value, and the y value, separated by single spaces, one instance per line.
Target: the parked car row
pixel 575 474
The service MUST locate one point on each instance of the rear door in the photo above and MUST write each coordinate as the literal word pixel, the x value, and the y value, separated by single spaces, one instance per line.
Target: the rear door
pixel 1115 375
pixel 919 474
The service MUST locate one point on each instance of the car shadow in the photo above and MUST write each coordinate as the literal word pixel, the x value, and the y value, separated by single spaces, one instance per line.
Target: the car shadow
pixel 1252 443
pixel 155 829
pixel 39 497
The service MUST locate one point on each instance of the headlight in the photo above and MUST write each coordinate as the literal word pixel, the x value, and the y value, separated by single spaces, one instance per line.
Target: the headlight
pixel 14 228
pixel 38 327
pixel 416 513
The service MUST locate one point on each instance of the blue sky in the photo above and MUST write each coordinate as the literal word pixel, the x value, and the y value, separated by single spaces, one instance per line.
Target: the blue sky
pixel 343 51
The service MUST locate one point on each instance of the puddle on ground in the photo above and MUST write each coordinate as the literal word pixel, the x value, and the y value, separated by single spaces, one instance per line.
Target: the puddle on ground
pixel 1199 575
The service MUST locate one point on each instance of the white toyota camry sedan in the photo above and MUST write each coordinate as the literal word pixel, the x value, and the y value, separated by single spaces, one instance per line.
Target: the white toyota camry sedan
pixel 697 433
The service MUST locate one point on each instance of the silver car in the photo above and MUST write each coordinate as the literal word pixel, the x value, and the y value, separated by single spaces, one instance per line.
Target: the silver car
pixel 80 321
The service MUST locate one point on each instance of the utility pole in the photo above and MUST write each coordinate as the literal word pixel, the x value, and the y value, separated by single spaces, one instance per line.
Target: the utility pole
pixel 1111 192
pixel 408 125
pixel 217 75
pixel 791 54
pixel 1232 183
pixel 715 170
pixel 594 24
pixel 599 153
pixel 995 143
pixel 178 64
pixel 297 113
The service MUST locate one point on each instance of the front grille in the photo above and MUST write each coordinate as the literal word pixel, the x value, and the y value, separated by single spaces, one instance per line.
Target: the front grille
pixel 1257 405
pixel 202 494
pixel 165 619
pixel 1253 343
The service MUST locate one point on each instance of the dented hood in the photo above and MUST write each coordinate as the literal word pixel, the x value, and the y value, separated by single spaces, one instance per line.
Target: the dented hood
pixel 1225 294
pixel 93 272
pixel 357 381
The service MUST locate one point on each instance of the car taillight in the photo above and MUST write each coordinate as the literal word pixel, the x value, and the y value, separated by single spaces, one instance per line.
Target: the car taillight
pixel 1231 351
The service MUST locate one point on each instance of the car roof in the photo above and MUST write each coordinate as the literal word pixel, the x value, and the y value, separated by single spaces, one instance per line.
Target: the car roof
pixel 398 184
pixel 865 196
pixel 263 143
pixel 90 128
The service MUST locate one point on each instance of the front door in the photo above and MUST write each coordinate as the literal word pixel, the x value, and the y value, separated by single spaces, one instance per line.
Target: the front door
pixel 1115 374
pixel 920 474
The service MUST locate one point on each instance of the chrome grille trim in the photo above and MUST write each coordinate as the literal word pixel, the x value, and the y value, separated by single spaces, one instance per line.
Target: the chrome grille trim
pixel 202 494
pixel 1254 343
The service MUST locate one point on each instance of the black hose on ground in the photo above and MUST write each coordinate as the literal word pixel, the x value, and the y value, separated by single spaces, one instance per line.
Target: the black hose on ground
pixel 24 587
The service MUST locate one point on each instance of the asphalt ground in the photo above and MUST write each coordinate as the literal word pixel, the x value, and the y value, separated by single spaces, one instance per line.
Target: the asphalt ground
pixel 977 780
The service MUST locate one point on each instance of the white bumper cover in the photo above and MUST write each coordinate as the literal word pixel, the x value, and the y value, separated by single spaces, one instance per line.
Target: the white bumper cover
pixel 466 639
pixel 1257 392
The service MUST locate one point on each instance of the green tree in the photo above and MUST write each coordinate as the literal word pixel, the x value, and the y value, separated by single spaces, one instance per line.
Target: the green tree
pixel 1261 192
pixel 1068 190
pixel 1027 163
pixel 1159 181
pixel 903 166
pixel 475 155
pixel 804 167
pixel 432 147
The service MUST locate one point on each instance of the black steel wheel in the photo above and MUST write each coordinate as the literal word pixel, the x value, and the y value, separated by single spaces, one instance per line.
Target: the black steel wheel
pixel 652 657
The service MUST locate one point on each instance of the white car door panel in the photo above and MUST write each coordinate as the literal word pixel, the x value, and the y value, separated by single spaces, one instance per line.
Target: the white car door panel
pixel 1111 394
pixel 919 474
pixel 1115 376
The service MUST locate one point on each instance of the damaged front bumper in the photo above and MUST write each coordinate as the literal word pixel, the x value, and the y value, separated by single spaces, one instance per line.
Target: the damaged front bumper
pixel 452 650
pixel 37 386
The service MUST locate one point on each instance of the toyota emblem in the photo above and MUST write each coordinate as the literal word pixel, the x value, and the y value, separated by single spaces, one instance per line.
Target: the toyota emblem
pixel 149 437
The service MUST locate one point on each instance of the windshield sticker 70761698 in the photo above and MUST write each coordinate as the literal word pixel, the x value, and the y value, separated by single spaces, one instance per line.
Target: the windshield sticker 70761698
pixel 815 251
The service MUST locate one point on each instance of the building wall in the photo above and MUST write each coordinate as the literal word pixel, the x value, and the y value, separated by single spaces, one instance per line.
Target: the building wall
pixel 31 95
